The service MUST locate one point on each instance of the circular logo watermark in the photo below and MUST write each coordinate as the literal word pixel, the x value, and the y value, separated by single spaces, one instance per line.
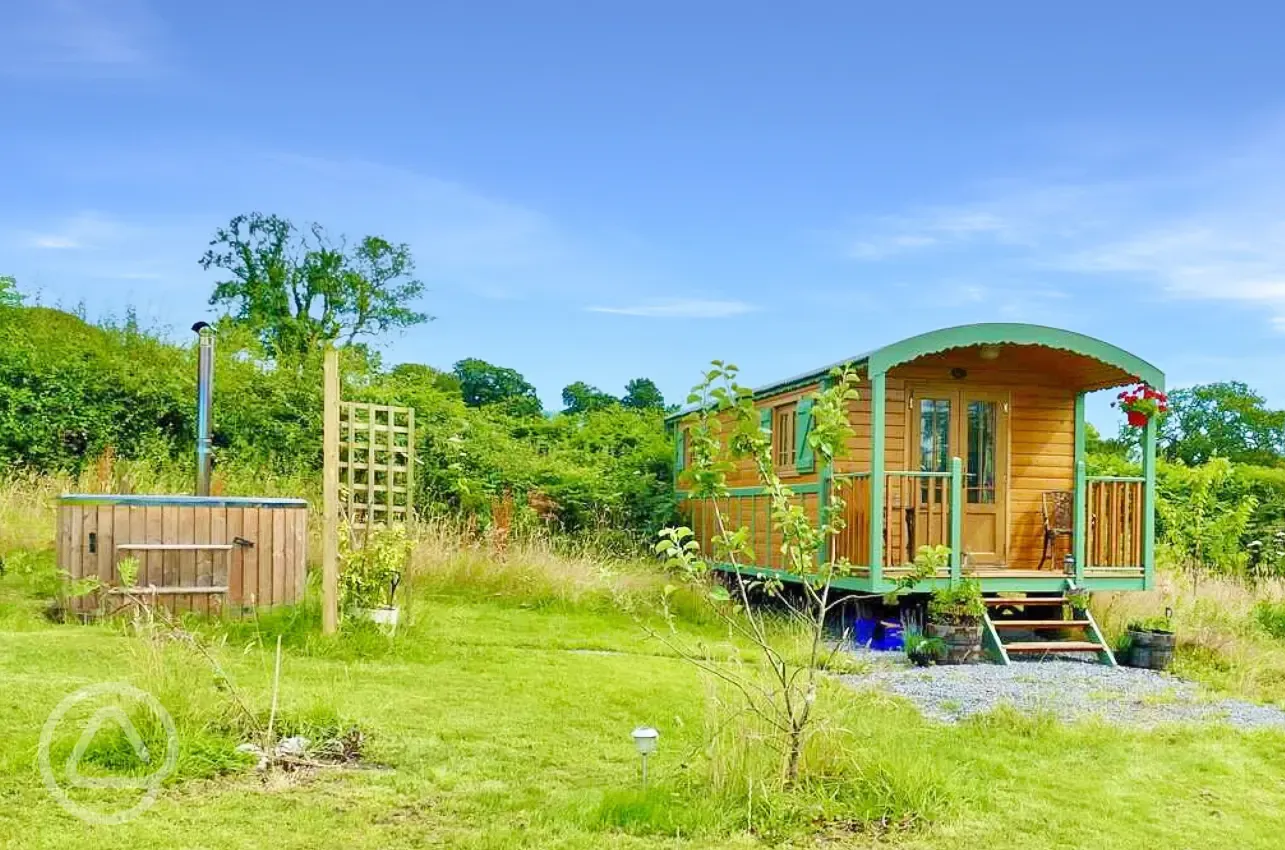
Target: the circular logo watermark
pixel 138 793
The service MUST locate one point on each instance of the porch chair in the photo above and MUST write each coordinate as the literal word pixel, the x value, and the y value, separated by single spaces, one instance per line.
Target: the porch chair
pixel 1058 508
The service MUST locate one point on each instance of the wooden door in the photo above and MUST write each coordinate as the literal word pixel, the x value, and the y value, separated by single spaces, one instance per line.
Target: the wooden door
pixel 972 425
pixel 983 437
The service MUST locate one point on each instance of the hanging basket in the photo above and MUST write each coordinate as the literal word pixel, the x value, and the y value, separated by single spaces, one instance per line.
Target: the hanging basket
pixel 1136 418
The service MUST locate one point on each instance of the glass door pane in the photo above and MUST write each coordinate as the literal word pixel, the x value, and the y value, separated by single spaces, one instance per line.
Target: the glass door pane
pixel 934 445
pixel 979 481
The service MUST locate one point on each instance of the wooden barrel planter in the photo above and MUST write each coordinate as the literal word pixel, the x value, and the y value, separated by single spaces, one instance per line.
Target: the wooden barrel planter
pixel 1151 650
pixel 205 554
pixel 963 643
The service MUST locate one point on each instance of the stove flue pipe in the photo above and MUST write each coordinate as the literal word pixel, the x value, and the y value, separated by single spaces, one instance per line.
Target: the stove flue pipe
pixel 204 401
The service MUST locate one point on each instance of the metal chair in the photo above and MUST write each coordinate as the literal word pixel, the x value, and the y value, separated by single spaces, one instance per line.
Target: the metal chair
pixel 1058 508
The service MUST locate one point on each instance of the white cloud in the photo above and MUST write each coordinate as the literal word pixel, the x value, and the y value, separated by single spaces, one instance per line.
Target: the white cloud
pixel 681 308
pixel 76 36
pixel 1213 233
pixel 54 241
pixel 87 230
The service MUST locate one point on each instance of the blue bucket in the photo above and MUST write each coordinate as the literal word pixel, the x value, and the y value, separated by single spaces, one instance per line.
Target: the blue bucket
pixel 891 639
pixel 863 630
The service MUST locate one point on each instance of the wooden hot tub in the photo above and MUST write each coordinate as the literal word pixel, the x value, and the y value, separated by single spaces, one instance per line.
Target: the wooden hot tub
pixel 196 553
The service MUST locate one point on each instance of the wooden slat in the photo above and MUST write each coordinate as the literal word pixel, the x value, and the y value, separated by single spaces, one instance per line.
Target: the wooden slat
pixel 1053 646
pixel 204 567
pixel 235 557
pixel 1035 600
pixel 152 573
pixel 106 543
pixel 250 556
pixel 76 542
pixel 172 591
pixel 279 564
pixel 120 531
pixel 185 559
pixel 173 547
pixel 218 575
pixel 1038 624
pixel 263 553
pixel 300 552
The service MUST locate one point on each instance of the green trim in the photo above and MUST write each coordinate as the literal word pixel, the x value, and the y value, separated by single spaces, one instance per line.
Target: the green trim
pixel 1080 532
pixel 956 519
pixel 991 641
pixel 1079 526
pixel 1011 333
pixel 804 457
pixel 915 473
pixel 1149 502
pixel 878 424
pixel 811 489
pixel 825 479
pixel 1105 656
pixel 1123 479
pixel 1052 583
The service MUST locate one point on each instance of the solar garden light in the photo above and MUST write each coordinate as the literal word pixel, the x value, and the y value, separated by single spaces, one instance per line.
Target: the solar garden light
pixel 645 739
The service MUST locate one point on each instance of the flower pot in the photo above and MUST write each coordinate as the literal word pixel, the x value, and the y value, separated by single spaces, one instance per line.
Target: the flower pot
pixel 384 615
pixel 1136 418
pixel 1150 650
pixel 963 642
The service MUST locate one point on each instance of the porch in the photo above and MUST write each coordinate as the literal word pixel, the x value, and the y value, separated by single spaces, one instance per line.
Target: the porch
pixel 972 438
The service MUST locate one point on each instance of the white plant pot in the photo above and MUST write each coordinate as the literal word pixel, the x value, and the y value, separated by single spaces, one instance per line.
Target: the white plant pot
pixel 385 615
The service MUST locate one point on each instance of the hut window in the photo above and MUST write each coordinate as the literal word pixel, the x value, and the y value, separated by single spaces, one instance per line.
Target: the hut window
pixel 783 430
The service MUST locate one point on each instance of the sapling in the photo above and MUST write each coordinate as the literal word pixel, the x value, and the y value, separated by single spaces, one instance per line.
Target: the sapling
pixel 725 429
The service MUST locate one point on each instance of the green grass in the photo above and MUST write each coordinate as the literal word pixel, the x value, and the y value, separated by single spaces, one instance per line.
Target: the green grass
pixel 500 721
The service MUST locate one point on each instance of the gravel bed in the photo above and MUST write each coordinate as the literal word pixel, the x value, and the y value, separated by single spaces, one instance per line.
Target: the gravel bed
pixel 1070 690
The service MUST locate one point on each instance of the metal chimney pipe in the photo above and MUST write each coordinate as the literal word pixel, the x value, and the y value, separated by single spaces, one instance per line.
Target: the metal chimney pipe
pixel 204 401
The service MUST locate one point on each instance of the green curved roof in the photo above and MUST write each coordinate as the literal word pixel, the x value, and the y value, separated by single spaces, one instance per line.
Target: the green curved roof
pixel 1011 333
pixel 988 333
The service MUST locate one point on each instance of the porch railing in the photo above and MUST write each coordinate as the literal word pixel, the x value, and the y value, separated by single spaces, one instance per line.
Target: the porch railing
pixel 919 509
pixel 1115 509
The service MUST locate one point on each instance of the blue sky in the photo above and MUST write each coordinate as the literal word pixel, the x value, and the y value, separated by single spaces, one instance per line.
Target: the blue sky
pixel 601 191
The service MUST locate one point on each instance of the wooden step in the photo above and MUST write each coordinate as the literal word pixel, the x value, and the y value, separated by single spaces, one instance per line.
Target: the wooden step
pixel 1039 624
pixel 1037 600
pixel 1054 646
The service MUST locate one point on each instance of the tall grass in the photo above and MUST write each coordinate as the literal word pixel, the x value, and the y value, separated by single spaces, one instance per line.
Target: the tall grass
pixel 1221 637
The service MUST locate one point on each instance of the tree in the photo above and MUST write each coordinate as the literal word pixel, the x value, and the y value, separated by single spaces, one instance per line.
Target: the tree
pixel 297 290
pixel 583 398
pixel 9 294
pixel 643 394
pixel 1225 419
pixel 484 384
pixel 790 635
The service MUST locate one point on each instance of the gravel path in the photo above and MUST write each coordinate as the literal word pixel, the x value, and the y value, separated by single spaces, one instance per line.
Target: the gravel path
pixel 1068 689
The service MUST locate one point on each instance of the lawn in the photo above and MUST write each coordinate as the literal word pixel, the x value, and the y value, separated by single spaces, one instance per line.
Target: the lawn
pixel 494 721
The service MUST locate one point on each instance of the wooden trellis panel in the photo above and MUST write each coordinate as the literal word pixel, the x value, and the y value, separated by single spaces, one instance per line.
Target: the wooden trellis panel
pixel 376 462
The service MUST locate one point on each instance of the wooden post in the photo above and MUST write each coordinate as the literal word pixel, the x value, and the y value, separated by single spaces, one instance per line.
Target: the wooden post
pixel 878 424
pixel 330 497
pixel 956 519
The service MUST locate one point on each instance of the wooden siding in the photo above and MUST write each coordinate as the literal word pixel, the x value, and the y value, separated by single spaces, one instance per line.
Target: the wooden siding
pixel 1040 385
pixel 1041 430
pixel 271 572
pixel 743 473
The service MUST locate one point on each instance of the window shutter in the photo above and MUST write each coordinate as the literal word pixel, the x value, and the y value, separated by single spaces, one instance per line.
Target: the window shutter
pixel 765 421
pixel 680 450
pixel 804 461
